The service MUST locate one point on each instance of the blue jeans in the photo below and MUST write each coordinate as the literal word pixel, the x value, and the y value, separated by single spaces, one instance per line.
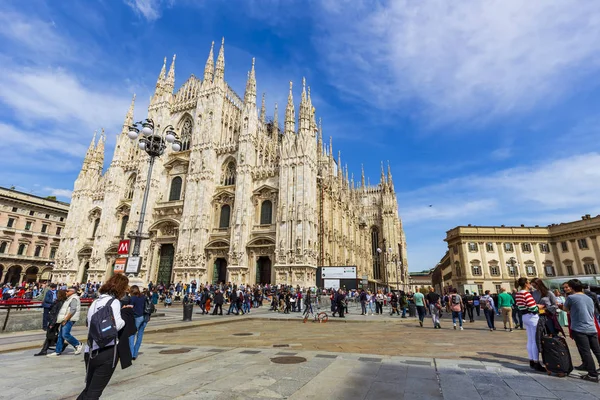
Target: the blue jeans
pixel 370 306
pixel 489 316
pixel 64 333
pixel 140 324
pixel 455 315
pixel 246 307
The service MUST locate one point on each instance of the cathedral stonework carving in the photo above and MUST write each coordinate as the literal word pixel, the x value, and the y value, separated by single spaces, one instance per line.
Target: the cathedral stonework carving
pixel 245 196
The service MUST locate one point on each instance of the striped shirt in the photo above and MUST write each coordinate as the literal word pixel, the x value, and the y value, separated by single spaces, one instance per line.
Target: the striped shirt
pixel 525 302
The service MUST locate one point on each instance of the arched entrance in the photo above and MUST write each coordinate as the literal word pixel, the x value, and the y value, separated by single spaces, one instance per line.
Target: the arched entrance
pixel 165 264
pixel 31 274
pixel 220 271
pixel 13 274
pixel 86 268
pixel 263 270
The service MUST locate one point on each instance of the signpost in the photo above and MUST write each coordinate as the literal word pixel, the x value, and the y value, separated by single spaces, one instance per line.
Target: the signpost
pixel 123 249
pixel 120 265
pixel 133 265
pixel 338 273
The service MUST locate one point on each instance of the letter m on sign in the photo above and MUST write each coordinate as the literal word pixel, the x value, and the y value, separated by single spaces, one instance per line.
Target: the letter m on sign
pixel 123 247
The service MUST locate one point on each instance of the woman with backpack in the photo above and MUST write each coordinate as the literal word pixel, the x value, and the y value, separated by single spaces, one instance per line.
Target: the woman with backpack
pixel 101 352
pixel 457 306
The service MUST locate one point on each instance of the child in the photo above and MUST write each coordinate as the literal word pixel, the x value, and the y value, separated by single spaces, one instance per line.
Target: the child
pixel 168 300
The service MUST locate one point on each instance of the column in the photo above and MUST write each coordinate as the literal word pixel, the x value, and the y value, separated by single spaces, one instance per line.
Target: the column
pixel 485 270
pixel 596 247
pixel 558 265
pixel 578 268
pixel 502 264
pixel 81 270
pixel 154 261
pixel 538 264
pixel 520 266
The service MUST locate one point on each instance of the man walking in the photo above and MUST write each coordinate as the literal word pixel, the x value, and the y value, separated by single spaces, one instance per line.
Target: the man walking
pixel 488 310
pixel 434 303
pixel 48 299
pixel 218 302
pixel 583 328
pixel 469 303
pixel 419 300
pixel 505 304
pixel 67 317
pixel 363 301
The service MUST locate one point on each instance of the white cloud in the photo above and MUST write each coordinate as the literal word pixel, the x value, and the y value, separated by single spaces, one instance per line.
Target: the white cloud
pixel 149 9
pixel 460 59
pixel 568 185
pixel 66 193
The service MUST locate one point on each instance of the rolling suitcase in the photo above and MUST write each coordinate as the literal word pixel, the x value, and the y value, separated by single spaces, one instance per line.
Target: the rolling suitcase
pixel 556 355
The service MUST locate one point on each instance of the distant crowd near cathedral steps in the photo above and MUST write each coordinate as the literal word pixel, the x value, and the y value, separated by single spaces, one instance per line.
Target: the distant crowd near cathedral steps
pixel 243 201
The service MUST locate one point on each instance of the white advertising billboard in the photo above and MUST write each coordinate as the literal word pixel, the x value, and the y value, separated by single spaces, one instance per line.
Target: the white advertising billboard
pixel 338 273
pixel 331 284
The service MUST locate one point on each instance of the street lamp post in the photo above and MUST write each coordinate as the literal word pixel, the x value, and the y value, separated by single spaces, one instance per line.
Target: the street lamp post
pixel 154 144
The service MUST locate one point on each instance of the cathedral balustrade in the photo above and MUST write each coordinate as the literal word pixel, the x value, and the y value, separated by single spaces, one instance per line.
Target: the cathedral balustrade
pixel 168 208
pixel 224 148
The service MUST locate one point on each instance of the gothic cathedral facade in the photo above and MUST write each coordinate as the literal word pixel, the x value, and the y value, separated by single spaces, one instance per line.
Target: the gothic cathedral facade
pixel 244 201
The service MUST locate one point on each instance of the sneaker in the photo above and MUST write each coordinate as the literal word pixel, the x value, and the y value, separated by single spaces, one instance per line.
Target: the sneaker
pixel 78 349
pixel 454 326
pixel 421 323
pixel 590 378
pixel 510 330
pixel 580 368
pixel 41 353
pixel 461 328
pixel 53 354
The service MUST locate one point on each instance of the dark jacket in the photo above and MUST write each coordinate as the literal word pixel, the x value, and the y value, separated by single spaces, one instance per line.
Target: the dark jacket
pixel 123 349
pixel 219 298
pixel 48 299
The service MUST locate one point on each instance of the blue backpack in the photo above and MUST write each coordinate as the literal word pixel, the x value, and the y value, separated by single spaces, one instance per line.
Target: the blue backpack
pixel 103 328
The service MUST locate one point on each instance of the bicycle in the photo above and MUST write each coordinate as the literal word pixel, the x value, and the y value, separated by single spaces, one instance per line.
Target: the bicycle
pixel 321 317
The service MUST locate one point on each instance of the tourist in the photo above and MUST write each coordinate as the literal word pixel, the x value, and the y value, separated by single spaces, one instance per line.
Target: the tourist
pixel 505 304
pixel 340 302
pixel 363 298
pixel 561 315
pixel 138 301
pixel 67 317
pixel 49 299
pixel 517 316
pixel 379 302
pixel 435 306
pixel 218 302
pixel 307 303
pixel 394 304
pixel 547 306
pixel 101 362
pixel 477 304
pixel 583 328
pixel 419 300
pixel 53 326
pixel 457 307
pixel 403 303
pixel 530 311
pixel 489 310
pixel 469 303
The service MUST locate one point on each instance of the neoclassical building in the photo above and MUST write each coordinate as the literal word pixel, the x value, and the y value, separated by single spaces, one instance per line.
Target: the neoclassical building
pixel 30 230
pixel 245 200
pixel 490 257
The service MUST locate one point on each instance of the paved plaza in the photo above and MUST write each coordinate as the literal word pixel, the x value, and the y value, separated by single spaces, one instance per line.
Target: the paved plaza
pixel 236 358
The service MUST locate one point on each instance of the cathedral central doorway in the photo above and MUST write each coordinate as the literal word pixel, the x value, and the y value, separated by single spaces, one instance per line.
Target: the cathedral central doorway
pixel 263 270
pixel 220 271
pixel 165 264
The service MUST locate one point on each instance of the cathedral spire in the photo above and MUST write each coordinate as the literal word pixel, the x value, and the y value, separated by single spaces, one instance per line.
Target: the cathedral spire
pixel 170 80
pixel 290 114
pixel 91 149
pixel 100 148
pixel 129 116
pixel 389 177
pixel 304 117
pixel 250 95
pixel 263 110
pixel 362 175
pixel 209 68
pixel 276 121
pixel 331 147
pixel 161 79
pixel 220 69
pixel 382 181
pixel 320 140
pixel 339 166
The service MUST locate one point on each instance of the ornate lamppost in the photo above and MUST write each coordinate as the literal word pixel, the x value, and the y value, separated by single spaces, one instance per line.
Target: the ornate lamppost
pixel 154 144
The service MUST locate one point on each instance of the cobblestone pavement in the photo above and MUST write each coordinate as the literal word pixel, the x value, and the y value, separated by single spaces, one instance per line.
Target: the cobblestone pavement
pixel 202 372
pixel 360 357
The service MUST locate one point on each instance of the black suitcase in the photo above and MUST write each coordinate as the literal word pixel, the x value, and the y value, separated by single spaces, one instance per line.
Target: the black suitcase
pixel 556 355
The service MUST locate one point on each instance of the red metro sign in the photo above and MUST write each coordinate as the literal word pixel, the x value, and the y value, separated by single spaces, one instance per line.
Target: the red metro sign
pixel 123 247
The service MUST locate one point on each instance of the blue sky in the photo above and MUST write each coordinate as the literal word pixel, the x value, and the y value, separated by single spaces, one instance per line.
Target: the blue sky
pixel 487 111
